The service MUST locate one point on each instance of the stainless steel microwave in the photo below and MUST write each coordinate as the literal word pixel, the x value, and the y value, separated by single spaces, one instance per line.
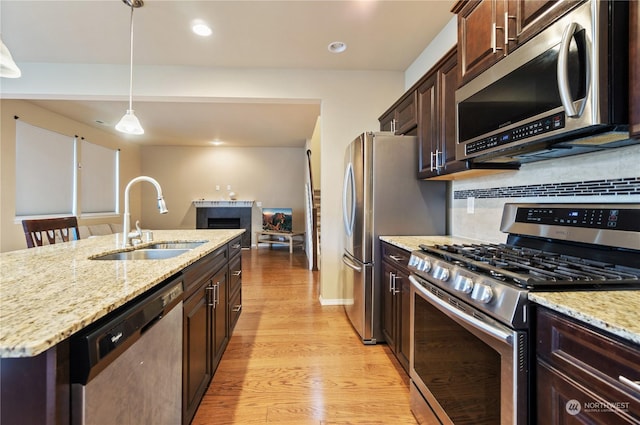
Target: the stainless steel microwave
pixel 561 93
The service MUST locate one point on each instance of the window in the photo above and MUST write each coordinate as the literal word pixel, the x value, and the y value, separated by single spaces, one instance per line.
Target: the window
pixel 98 179
pixel 47 180
pixel 45 172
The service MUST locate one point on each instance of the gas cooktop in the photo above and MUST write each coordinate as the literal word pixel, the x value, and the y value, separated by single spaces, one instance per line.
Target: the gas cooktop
pixel 536 269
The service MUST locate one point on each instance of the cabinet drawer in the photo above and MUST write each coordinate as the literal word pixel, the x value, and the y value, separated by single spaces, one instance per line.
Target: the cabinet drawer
pixel 235 308
pixel 203 269
pixel 590 358
pixel 235 273
pixel 235 246
pixel 395 255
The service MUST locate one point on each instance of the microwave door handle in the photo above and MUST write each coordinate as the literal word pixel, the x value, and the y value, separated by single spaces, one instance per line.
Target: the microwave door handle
pixel 563 72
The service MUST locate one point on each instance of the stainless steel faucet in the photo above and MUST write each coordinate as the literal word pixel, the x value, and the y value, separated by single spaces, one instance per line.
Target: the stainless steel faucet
pixel 126 224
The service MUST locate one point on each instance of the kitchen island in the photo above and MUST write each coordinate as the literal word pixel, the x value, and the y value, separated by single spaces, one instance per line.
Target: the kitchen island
pixel 48 294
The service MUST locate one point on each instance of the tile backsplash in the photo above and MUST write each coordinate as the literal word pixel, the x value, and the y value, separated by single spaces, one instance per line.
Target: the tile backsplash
pixel 602 177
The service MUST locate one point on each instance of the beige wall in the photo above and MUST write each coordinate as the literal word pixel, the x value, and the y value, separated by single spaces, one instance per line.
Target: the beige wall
pixel 274 177
pixel 11 235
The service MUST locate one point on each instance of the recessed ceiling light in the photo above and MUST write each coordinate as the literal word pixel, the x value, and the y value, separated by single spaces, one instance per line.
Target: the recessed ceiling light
pixel 216 142
pixel 201 29
pixel 337 47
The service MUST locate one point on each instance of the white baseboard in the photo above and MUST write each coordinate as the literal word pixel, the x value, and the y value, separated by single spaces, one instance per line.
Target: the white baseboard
pixel 334 301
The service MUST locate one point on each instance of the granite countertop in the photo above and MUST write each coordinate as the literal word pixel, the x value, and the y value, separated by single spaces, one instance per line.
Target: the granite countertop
pixel 615 312
pixel 50 292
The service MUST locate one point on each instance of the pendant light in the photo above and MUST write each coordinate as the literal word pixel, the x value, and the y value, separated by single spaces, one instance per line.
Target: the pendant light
pixel 129 123
pixel 8 68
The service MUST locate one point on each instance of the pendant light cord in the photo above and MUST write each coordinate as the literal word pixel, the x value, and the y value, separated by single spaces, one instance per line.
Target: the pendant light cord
pixel 131 61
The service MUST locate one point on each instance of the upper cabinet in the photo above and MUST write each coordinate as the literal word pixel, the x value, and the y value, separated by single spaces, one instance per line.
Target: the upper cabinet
pixel 481 36
pixel 634 69
pixel 402 117
pixel 437 120
pixel 488 30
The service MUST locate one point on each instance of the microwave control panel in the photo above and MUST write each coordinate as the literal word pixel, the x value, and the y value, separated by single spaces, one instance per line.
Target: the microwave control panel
pixel 531 129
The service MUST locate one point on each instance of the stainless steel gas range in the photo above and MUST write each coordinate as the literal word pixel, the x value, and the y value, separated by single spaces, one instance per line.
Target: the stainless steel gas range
pixel 470 314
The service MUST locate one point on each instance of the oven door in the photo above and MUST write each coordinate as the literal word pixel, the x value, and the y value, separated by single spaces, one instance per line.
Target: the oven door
pixel 464 367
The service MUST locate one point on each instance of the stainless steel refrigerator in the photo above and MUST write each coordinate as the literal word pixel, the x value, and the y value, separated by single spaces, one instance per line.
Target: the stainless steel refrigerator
pixel 381 196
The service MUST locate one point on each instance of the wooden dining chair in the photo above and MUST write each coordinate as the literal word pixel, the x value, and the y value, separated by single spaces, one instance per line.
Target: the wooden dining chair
pixel 63 226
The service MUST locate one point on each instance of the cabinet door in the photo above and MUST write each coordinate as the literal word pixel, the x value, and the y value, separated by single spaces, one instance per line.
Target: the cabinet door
pixel 388 306
pixel 196 369
pixel 407 114
pixel 219 307
pixel 526 18
pixel 481 37
pixel 448 82
pixel 428 128
pixel 404 319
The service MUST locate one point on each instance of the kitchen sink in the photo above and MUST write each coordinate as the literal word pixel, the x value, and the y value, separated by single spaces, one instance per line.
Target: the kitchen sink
pixel 142 254
pixel 175 245
pixel 156 251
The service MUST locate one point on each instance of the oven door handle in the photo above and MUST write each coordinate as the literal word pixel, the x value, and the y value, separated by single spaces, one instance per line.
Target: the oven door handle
pixel 470 320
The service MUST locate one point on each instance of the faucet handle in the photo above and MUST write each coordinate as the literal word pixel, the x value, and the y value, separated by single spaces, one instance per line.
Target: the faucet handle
pixel 138 227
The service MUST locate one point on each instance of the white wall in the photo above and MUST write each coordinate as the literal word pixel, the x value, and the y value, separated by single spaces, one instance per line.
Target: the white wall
pixel 351 101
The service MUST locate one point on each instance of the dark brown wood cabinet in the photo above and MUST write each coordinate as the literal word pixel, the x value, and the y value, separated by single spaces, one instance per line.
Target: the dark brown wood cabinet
pixel 437 120
pixel 481 36
pixel 526 18
pixel 584 375
pixel 212 288
pixel 235 284
pixel 402 116
pixel 396 302
pixel 634 69
pixel 488 30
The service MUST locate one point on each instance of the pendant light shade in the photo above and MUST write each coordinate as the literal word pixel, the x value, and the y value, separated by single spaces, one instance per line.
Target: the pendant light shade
pixel 129 123
pixel 8 67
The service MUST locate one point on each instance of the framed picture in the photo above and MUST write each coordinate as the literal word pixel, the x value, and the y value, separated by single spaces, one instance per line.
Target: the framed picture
pixel 277 219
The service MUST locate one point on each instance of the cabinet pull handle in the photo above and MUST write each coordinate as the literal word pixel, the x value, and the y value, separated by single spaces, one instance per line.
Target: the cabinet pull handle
pixel 634 385
pixel 237 273
pixel 433 167
pixel 237 308
pixel 391 276
pixel 507 39
pixel 236 246
pixel 393 125
pixel 494 38
pixel 395 286
pixel 210 296
pixel 396 257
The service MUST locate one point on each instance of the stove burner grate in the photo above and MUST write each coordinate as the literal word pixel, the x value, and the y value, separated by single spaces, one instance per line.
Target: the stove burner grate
pixel 533 268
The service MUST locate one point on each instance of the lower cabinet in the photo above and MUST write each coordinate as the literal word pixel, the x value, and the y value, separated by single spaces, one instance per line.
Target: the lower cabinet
pixel 396 300
pixel 583 375
pixel 207 321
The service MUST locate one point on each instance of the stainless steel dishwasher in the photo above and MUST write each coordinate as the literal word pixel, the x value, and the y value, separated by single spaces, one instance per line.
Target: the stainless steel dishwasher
pixel 127 368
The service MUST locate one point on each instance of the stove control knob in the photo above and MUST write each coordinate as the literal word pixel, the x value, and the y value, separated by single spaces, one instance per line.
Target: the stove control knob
pixel 425 265
pixel 463 284
pixel 441 273
pixel 482 293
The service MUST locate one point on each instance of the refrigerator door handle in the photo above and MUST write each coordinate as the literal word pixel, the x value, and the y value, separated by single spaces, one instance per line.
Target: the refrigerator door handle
pixel 349 216
pixel 351 264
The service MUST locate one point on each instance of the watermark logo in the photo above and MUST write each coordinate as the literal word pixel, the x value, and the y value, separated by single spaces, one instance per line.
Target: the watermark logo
pixel 573 407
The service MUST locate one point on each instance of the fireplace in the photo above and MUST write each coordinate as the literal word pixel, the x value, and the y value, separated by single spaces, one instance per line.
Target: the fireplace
pixel 226 217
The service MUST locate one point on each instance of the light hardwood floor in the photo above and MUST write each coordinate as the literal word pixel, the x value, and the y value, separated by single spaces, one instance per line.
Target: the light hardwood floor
pixel 293 361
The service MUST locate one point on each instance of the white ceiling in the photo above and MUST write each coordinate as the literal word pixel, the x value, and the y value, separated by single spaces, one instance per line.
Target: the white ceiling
pixel 381 35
